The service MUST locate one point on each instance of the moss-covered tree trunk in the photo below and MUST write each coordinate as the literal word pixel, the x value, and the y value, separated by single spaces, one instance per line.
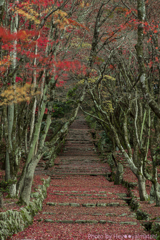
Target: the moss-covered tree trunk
pixel 11 110
pixel 142 187
pixel 33 142
pixel 157 193
pixel 26 186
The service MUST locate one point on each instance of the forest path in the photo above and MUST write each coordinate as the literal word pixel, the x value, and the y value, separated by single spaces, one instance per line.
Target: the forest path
pixel 81 203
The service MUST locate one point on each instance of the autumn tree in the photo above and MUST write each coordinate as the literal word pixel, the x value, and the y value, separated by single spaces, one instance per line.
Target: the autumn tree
pixel 35 61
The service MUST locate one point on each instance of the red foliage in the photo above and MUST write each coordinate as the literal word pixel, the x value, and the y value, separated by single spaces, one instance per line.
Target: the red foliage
pixel 18 79
pixel 46 111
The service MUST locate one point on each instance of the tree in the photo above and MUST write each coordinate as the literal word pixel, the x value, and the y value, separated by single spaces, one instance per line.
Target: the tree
pixel 33 80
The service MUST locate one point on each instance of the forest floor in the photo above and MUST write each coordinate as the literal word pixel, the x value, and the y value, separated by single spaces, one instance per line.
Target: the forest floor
pixel 81 203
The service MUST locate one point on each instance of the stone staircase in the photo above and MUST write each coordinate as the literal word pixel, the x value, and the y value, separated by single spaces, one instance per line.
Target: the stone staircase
pixel 79 155
pixel 81 202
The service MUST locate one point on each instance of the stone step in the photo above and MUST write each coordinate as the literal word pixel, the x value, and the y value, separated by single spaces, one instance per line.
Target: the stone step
pixel 75 140
pixel 76 169
pixel 77 143
pixel 103 204
pixel 78 153
pixel 105 215
pixel 72 170
pixel 80 161
pixel 78 130
pixel 83 221
pixel 121 195
pixel 80 194
pixel 78 173
pixel 80 158
pixel 80 149
pixel 82 168
pixel 80 127
pixel 79 146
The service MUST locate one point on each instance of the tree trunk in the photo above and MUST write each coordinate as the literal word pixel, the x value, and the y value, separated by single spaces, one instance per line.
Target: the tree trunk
pixel 2 127
pixel 10 124
pixel 1 10
pixel 28 179
pixel 142 188
pixel 7 162
pixel 119 174
pixel 26 190
pixel 25 140
pixel 32 120
pixel 31 151
pixel 7 166
pixel 11 109
pixel 157 193
pixel 1 200
pixel 12 188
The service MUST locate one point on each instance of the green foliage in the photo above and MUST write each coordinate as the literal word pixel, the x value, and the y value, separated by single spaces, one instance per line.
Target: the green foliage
pixel 54 127
pixel 4 185
pixel 72 93
pixel 158 237
pixel 92 122
pixel 104 143
pixel 105 137
pixel 61 108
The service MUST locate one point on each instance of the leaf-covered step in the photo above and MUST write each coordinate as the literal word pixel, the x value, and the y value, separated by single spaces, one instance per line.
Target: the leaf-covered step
pixel 112 204
pixel 83 221
pixel 97 214
pixel 76 174
pixel 80 194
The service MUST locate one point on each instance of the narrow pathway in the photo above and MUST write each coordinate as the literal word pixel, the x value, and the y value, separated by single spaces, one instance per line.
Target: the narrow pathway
pixel 81 203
